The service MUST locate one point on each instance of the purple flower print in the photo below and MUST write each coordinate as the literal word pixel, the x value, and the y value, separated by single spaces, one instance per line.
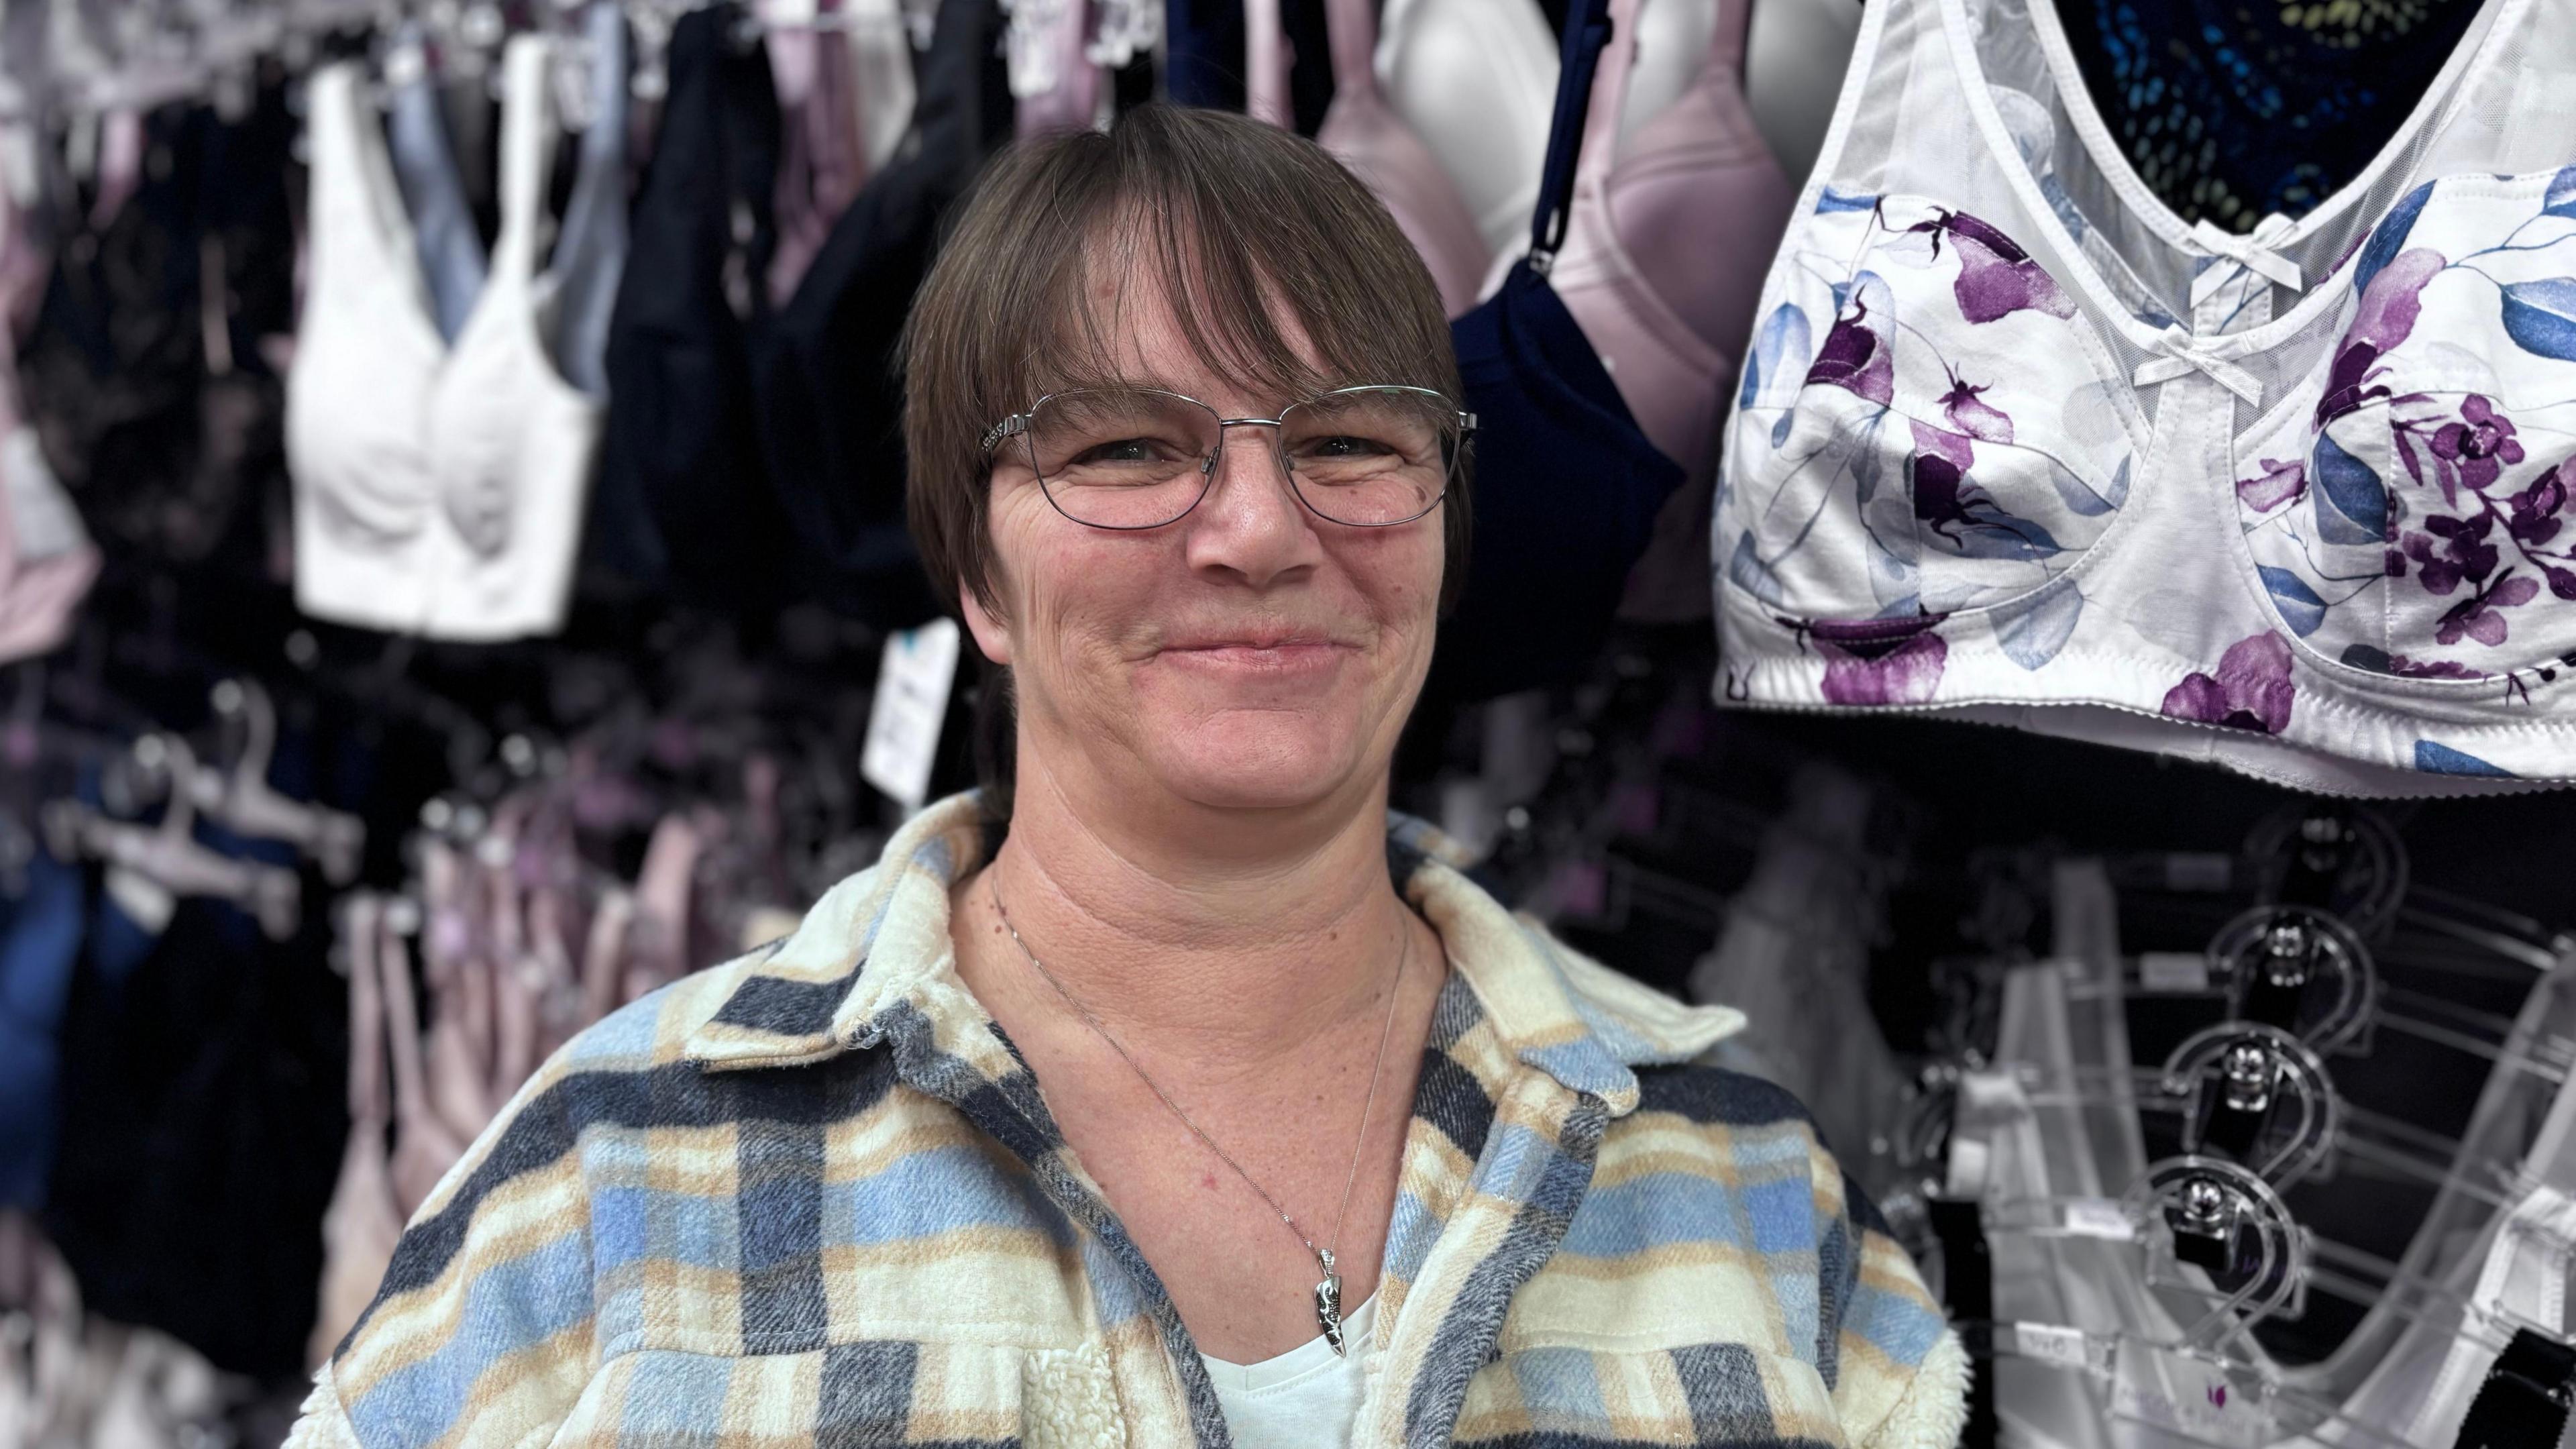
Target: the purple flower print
pixel 2476 616
pixel 2251 691
pixel 1881 661
pixel 1954 448
pixel 1856 357
pixel 1996 277
pixel 2462 554
pixel 2535 519
pixel 2279 483
pixel 2399 664
pixel 2475 448
pixel 2389 307
pixel 1972 417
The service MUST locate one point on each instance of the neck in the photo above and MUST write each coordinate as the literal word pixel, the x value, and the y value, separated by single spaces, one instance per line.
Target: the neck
pixel 1216 943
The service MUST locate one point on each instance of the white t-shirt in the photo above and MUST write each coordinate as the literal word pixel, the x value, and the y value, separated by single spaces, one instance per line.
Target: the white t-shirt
pixel 1305 1398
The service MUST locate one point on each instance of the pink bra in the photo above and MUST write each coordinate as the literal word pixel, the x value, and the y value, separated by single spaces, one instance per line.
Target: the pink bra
pixel 822 161
pixel 47 561
pixel 1365 134
pixel 1052 73
pixel 1647 264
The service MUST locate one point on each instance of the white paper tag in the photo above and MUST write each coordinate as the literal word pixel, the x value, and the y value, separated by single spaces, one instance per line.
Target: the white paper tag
pixel 2051 1343
pixel 2173 971
pixel 911 704
pixel 2095 1217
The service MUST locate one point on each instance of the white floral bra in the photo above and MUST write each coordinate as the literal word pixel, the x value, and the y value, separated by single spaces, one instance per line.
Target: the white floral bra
pixel 2015 442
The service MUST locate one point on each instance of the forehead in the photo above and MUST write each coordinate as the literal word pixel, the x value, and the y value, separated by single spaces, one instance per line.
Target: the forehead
pixel 1143 310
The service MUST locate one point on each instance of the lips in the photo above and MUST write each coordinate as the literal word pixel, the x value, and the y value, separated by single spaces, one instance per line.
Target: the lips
pixel 1257 652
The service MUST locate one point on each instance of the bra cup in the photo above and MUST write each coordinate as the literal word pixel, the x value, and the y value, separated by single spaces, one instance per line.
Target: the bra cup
pixel 1373 142
pixel 1673 383
pixel 1476 80
pixel 2431 452
pixel 1885 405
pixel 1696 200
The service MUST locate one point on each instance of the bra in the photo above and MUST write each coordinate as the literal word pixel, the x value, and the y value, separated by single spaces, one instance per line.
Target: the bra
pixel 1365 134
pixel 1052 74
pixel 1694 182
pixel 47 562
pixel 2406 1362
pixel 1474 79
pixel 821 163
pixel 2015 441
pixel 829 427
pixel 438 488
pixel 1566 487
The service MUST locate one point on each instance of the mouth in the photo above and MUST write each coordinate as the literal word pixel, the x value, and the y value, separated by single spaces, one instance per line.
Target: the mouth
pixel 1258 653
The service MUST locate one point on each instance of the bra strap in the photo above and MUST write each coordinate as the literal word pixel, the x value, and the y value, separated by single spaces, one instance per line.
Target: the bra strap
pixel 527 154
pixel 1731 38
pixel 1265 65
pixel 1587 34
pixel 1609 94
pixel 1352 24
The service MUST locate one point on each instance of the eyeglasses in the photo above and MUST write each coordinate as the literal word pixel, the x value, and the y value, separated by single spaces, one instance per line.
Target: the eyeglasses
pixel 1129 458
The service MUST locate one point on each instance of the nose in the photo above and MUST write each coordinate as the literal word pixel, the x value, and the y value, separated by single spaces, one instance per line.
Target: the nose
pixel 1251 525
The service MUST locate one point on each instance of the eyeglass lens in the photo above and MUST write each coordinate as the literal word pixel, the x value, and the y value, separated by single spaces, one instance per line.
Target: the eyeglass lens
pixel 1139 458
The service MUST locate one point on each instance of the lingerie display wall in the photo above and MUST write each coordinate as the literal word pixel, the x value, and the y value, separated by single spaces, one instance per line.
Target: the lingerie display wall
pixel 452 520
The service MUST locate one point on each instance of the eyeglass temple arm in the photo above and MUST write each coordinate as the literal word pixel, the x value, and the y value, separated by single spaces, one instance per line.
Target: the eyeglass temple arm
pixel 1011 426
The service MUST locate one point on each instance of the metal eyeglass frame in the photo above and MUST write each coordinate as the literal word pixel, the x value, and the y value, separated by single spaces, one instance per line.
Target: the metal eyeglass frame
pixel 1017 425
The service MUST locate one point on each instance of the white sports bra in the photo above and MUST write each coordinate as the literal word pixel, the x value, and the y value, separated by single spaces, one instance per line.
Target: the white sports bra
pixel 438 489
pixel 2017 443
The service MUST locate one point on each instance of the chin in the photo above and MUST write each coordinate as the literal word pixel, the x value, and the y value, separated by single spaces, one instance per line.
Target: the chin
pixel 1257 761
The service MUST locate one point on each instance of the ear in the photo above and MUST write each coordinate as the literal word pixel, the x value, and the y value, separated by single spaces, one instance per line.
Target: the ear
pixel 990 634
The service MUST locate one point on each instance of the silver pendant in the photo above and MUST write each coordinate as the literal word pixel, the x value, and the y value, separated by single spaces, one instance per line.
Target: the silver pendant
pixel 1328 1303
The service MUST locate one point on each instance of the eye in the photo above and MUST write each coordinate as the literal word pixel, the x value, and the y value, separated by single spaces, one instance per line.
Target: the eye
pixel 1342 445
pixel 1131 450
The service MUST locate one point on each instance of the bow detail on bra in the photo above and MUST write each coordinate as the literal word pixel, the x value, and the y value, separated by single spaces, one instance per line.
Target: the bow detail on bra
pixel 2251 252
pixel 2183 353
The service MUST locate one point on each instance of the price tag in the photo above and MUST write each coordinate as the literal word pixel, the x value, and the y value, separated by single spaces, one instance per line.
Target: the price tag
pixel 2182 971
pixel 2051 1343
pixel 2095 1217
pixel 911 704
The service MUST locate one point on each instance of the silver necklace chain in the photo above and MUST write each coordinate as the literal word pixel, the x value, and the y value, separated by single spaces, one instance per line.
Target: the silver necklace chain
pixel 1324 1254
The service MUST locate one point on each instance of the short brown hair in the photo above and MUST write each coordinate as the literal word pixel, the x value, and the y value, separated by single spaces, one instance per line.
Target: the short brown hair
pixel 1235 216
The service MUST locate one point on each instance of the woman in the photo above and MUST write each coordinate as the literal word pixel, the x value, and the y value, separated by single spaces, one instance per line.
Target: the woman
pixel 1077 1119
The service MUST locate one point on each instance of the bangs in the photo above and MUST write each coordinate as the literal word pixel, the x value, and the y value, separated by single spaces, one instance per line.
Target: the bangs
pixel 1246 272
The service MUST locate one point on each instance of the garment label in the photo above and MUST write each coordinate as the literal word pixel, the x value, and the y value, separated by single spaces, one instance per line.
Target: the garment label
pixel 2097 1217
pixel 2199 870
pixel 2189 1396
pixel 913 681
pixel 2173 971
pixel 2051 1343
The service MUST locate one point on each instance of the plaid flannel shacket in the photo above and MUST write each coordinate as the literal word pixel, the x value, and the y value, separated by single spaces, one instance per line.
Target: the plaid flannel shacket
pixel 813 1197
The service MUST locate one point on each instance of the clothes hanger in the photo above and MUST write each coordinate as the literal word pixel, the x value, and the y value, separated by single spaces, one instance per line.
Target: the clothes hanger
pixel 242 800
pixel 168 854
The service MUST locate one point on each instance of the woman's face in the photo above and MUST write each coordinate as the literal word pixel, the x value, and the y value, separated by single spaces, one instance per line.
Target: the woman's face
pixel 1250 655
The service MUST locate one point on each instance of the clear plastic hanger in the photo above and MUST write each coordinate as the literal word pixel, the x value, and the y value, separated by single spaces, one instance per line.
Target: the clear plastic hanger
pixel 168 854
pixel 242 800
